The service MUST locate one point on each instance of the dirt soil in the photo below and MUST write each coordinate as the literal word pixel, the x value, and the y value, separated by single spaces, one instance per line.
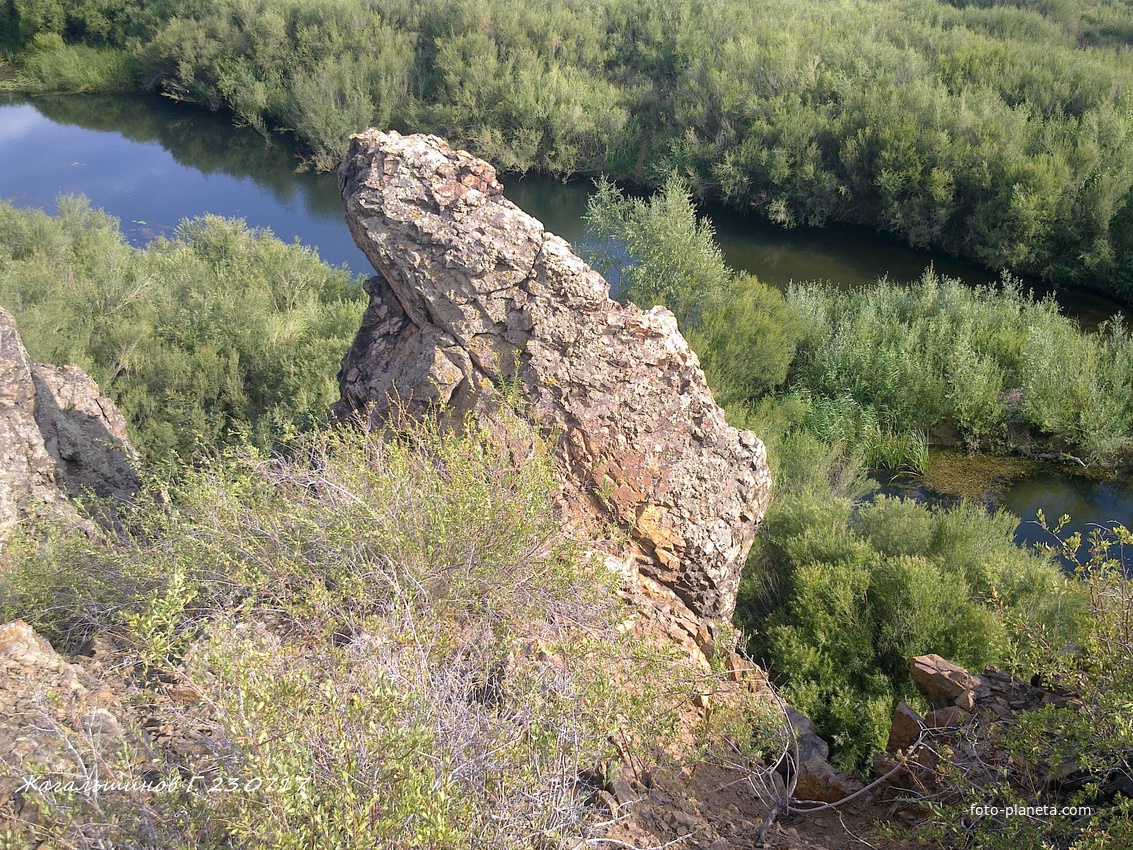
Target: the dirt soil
pixel 719 809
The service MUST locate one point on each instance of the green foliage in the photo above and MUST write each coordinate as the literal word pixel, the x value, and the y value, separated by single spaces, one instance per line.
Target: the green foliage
pixel 877 369
pixel 672 256
pixel 321 70
pixel 216 335
pixel 329 103
pixel 746 336
pixel 52 66
pixel 395 643
pixel 660 251
pixel 996 130
pixel 1095 736
pixel 838 597
pixel 52 578
pixel 938 351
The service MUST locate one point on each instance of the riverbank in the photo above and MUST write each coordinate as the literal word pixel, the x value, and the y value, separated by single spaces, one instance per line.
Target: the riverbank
pixel 832 581
pixel 997 134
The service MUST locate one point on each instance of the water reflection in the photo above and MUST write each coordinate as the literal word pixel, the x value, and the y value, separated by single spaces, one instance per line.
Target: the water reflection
pixel 1091 504
pixel 1087 502
pixel 152 163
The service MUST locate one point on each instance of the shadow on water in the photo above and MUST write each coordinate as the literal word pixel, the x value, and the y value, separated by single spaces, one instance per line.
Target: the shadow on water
pixel 848 256
pixel 200 140
pixel 151 163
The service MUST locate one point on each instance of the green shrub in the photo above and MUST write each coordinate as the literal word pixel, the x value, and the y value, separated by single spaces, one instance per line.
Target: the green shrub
pixel 77 68
pixel 993 133
pixel 1095 738
pixel 219 334
pixel 395 642
pixel 745 337
pixel 659 251
pixel 836 598
pixel 938 352
pixel 68 587
pixel 656 251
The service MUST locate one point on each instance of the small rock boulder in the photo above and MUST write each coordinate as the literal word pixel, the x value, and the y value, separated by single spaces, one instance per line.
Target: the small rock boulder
pixel 819 782
pixel 941 682
pixel 906 729
pixel 59 436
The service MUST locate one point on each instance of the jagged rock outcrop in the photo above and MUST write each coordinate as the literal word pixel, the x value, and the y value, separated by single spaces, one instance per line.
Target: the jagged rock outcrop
pixel 27 471
pixel 84 433
pixel 59 436
pixel 478 310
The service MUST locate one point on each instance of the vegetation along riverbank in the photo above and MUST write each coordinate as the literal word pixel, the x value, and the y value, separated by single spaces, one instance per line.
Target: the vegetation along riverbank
pixel 840 382
pixel 836 594
pixel 996 131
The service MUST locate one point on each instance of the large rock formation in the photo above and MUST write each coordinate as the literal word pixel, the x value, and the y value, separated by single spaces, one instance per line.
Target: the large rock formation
pixel 59 436
pixel 478 310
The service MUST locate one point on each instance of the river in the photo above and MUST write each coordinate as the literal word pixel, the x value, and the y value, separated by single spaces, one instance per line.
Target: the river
pixel 152 163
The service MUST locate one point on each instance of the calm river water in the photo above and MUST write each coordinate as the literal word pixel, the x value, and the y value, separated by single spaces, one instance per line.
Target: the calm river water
pixel 152 163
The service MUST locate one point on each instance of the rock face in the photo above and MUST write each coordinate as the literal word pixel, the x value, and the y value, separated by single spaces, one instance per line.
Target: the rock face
pixel 27 471
pixel 943 683
pixel 478 310
pixel 58 436
pixel 85 433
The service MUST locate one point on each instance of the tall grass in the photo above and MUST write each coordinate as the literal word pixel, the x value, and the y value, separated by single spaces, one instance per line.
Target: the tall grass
pixel 52 66
pixel 217 335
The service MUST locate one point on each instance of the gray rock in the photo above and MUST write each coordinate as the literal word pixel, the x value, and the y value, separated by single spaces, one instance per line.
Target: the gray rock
pixel 810 745
pixel 58 436
pixel 85 433
pixel 28 483
pixel 477 310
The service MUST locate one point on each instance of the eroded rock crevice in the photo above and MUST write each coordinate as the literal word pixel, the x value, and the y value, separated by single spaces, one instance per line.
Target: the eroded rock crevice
pixel 59 437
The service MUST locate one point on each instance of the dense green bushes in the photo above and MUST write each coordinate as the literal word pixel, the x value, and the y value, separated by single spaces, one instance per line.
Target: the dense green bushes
pixel 1093 736
pixel 839 598
pixel 999 131
pixel 877 369
pixel 51 65
pixel 982 359
pixel 838 595
pixel 218 335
